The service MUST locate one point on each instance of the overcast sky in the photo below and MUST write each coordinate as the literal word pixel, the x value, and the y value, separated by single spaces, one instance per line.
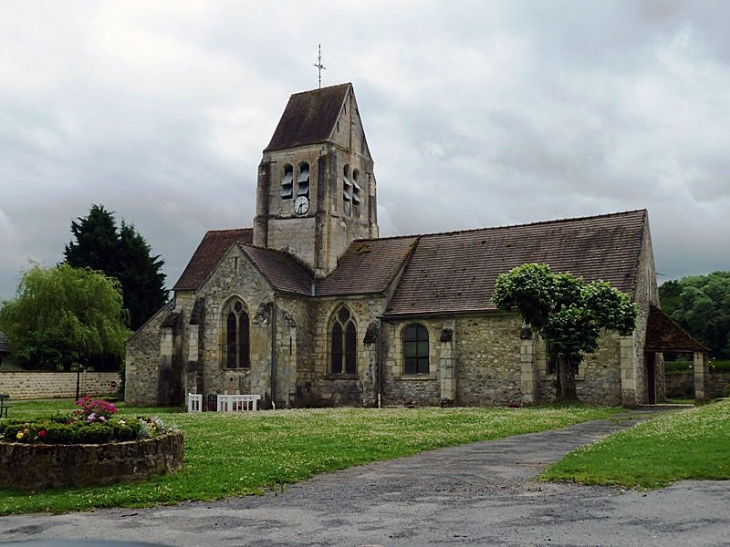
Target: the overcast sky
pixel 477 114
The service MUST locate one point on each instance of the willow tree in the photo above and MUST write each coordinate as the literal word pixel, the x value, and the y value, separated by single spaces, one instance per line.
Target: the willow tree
pixel 567 312
pixel 64 315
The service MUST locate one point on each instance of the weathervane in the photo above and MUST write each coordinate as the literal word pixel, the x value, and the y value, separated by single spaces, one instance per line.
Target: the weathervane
pixel 320 67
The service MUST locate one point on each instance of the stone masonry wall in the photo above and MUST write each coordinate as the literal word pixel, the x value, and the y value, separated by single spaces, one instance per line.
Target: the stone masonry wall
pixel 37 466
pixel 646 293
pixel 317 385
pixel 143 361
pixel 488 366
pixel 235 277
pixel 599 374
pixel 681 385
pixel 36 385
pixel 399 387
pixel 293 347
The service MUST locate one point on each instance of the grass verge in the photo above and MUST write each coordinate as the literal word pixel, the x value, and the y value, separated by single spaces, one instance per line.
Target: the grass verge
pixel 243 453
pixel 691 444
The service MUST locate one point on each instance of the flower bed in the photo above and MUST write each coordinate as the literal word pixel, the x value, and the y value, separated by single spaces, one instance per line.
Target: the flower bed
pixel 89 447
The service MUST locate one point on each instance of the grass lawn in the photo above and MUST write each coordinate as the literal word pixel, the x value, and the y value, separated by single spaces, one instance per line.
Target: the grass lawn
pixel 691 444
pixel 243 453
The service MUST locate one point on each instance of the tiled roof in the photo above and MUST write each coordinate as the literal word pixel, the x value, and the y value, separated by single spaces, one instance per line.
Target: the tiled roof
pixel 208 254
pixel 284 273
pixel 368 266
pixel 456 272
pixel 663 334
pixel 309 117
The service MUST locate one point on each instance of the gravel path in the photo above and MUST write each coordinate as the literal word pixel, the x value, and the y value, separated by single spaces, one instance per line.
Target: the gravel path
pixel 478 494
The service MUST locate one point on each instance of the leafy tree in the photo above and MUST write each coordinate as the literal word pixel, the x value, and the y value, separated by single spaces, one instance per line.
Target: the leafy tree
pixel 122 253
pixel 701 305
pixel 566 311
pixel 64 315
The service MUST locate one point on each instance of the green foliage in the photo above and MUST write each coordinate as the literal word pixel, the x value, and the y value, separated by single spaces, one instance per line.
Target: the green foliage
pixel 61 430
pixel 93 423
pixel 701 305
pixel 121 253
pixel 64 315
pixel 565 310
pixel 234 454
pixel 678 367
pixel 691 444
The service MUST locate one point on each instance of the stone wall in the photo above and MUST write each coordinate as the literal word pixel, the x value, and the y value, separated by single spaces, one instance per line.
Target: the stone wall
pixel 37 466
pixel 143 361
pixel 646 293
pixel 37 385
pixel 488 365
pixel 317 384
pixel 681 385
pixel 599 374
pixel 235 277
pixel 400 387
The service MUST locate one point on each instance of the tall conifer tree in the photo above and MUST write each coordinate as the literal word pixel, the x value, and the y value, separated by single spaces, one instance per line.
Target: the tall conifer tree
pixel 122 253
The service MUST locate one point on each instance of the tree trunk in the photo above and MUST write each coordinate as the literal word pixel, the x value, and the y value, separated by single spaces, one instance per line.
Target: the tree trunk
pixel 566 390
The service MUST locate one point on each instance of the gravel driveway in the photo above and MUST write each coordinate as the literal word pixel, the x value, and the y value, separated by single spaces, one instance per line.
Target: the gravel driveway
pixel 478 494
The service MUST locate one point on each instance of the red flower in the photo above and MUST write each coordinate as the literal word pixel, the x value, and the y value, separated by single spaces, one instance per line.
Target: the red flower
pixel 42 433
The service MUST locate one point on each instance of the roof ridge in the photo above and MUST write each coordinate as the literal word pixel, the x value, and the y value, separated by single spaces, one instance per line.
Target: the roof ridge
pixel 326 88
pixel 508 226
pixel 227 230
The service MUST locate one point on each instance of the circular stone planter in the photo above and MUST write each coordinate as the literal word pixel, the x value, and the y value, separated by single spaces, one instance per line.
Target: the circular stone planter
pixel 38 466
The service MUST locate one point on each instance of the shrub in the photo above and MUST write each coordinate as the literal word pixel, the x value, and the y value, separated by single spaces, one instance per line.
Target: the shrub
pixel 93 423
pixel 717 365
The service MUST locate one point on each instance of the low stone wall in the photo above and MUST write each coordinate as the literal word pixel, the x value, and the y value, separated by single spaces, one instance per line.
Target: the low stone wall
pixel 38 466
pixel 36 385
pixel 681 385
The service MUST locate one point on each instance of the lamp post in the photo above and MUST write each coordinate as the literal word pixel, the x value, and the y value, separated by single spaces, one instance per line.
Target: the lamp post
pixel 78 380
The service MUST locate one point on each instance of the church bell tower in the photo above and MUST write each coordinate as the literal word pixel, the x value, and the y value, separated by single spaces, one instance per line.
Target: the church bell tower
pixel 316 190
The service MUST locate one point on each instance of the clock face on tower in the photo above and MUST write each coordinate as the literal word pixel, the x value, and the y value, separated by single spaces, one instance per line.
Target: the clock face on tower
pixel 301 205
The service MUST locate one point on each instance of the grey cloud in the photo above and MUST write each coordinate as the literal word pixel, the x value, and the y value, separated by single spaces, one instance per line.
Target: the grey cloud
pixel 477 114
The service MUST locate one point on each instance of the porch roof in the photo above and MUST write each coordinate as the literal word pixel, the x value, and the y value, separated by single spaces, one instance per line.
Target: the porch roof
pixel 663 334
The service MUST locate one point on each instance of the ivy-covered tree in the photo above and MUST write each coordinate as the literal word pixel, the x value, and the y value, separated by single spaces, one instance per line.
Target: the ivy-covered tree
pixel 122 253
pixel 567 312
pixel 701 305
pixel 64 315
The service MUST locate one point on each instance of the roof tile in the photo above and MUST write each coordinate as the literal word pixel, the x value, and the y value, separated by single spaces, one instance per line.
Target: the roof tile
pixel 663 334
pixel 456 272
pixel 309 117
pixel 209 253
pixel 281 269
pixel 368 266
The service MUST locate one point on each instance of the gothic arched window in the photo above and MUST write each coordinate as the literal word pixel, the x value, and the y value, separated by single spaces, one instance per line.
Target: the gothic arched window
pixel 344 343
pixel 236 338
pixel 415 349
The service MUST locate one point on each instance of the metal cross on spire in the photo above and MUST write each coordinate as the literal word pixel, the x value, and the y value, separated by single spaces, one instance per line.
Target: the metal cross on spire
pixel 320 67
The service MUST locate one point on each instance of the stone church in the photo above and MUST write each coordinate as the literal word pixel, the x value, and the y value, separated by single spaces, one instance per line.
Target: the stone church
pixel 311 308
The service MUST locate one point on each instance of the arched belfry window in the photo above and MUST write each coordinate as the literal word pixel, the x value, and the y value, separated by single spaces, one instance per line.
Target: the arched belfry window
pixel 236 352
pixel 344 343
pixel 303 180
pixel 346 190
pixel 287 182
pixel 415 349
pixel 356 193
